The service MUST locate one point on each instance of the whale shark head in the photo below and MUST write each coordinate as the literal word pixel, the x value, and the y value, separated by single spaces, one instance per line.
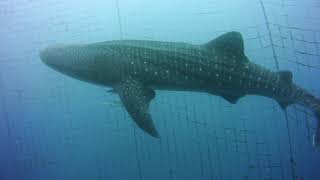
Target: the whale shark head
pixel 67 59
pixel 78 61
pixel 60 57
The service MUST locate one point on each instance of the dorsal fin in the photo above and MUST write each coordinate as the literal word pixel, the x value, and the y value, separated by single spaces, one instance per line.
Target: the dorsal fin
pixel 285 76
pixel 229 44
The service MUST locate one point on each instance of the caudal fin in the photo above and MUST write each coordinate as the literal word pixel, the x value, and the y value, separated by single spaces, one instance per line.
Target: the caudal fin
pixel 295 94
pixel 312 103
pixel 302 97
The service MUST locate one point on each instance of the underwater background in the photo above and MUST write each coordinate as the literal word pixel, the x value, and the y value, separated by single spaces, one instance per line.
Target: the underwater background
pixel 53 127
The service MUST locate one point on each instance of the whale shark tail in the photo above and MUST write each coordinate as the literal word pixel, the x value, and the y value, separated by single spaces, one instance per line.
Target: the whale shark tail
pixel 301 97
pixel 312 103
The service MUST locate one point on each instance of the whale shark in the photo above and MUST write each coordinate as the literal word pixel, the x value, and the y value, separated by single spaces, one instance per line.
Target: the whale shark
pixel 134 69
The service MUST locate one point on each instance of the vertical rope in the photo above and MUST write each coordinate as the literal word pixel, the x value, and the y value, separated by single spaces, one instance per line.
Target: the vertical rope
pixel 137 154
pixel 270 35
pixel 119 19
pixel 5 114
pixel 292 162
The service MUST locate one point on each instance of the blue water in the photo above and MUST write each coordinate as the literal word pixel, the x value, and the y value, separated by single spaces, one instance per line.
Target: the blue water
pixel 53 127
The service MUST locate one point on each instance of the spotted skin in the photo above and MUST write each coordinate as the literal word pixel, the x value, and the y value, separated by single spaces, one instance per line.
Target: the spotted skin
pixel 136 68
pixel 136 98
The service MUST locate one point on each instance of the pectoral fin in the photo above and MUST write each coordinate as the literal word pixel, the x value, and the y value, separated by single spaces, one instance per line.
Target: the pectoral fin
pixel 136 98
